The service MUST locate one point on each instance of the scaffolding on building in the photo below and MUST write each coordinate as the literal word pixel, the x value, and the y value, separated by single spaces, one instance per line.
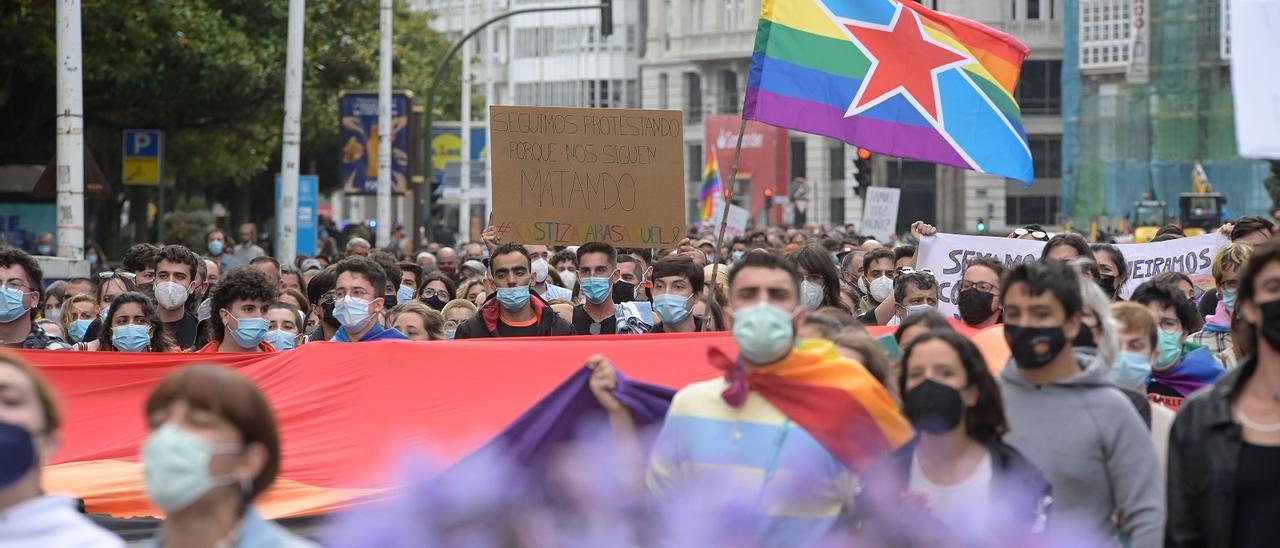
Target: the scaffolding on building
pixel 1136 124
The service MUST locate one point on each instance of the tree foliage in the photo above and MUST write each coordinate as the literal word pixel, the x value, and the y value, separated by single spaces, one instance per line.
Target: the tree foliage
pixel 211 74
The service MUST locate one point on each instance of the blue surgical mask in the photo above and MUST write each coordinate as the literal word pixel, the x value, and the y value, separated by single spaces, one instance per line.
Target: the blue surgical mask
pixel 130 338
pixel 78 329
pixel 513 298
pixel 1170 346
pixel 404 293
pixel 92 258
pixel 1229 300
pixel 12 305
pixel 44 249
pixel 597 290
pixel 1131 371
pixel 736 256
pixel 215 248
pixel 175 467
pixel 249 331
pixel 671 309
pixel 917 309
pixel 763 332
pixel 281 340
pixel 103 315
pixel 449 333
pixel 352 313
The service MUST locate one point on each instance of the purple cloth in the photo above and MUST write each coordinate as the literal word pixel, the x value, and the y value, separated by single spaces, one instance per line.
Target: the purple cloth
pixel 562 415
pixel 1194 371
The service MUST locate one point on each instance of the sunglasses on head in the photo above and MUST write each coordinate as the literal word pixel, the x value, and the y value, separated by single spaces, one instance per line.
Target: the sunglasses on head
pixel 113 273
pixel 1037 234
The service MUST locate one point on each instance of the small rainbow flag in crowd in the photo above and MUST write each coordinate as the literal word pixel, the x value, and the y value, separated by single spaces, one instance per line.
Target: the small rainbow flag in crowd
pixel 710 187
pixel 893 77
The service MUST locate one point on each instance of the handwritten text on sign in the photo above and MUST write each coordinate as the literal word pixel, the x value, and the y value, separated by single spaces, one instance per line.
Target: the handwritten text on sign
pixel 880 215
pixel 570 175
pixel 947 255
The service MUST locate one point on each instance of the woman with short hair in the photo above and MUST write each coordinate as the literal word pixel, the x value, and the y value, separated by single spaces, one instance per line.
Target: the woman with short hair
pixel 212 449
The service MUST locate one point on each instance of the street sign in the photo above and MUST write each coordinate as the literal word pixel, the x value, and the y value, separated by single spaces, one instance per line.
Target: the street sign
pixel 143 155
pixel 308 193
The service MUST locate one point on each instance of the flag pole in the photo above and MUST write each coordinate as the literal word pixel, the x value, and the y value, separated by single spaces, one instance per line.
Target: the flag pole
pixel 726 192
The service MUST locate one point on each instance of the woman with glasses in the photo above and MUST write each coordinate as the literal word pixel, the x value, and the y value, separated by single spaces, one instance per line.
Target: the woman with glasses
pixel 1030 232
pixel 133 325
pixel 456 312
pixel 819 279
pixel 436 291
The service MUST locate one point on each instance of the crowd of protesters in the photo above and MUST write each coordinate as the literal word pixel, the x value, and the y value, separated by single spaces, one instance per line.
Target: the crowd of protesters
pixel 1145 422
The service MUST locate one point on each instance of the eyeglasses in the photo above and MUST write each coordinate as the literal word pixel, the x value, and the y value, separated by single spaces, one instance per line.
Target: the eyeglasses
pixel 1037 234
pixel 984 287
pixel 326 298
pixel 113 273
pixel 430 293
pixel 16 285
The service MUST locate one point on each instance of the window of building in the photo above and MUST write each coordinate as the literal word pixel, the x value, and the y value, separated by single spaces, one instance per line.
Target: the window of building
pixel 798 164
pixel 693 97
pixel 1046 155
pixel 1025 210
pixel 835 162
pixel 1033 9
pixel 1105 34
pixel 1040 87
pixel 729 103
pixel 663 96
pixel 694 162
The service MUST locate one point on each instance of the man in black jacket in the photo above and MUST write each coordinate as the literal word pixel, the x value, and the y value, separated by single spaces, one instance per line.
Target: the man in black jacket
pixel 512 310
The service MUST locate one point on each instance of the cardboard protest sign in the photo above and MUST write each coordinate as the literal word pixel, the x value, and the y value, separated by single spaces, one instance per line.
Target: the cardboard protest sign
pixel 880 212
pixel 947 255
pixel 565 176
pixel 736 227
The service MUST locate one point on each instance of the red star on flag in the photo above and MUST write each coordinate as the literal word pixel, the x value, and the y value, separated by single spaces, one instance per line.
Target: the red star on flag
pixel 904 60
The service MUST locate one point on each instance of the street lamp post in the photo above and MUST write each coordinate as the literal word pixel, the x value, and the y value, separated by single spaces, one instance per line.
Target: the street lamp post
pixel 420 208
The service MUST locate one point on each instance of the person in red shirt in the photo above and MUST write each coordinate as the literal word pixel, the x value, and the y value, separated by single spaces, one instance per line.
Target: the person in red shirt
pixel 239 305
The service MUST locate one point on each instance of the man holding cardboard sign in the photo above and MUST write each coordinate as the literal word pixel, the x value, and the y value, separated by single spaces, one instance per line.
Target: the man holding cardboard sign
pixel 564 176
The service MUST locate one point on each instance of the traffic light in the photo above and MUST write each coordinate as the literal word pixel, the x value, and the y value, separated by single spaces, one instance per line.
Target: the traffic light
pixel 862 171
pixel 982 226
pixel 606 18
pixel 768 199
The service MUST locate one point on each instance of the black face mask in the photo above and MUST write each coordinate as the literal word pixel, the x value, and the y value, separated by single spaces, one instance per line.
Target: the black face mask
pixel 389 300
pixel 329 318
pixel 1034 347
pixel 435 303
pixel 975 306
pixel 1271 323
pixel 933 407
pixel 1084 339
pixel 623 292
pixel 1108 285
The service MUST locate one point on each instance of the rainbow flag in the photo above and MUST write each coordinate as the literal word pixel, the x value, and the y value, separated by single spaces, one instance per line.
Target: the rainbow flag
pixel 893 77
pixel 710 187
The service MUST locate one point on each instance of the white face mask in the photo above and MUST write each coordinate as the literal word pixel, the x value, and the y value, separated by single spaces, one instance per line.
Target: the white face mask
pixel 175 467
pixel 881 288
pixel 539 268
pixel 568 277
pixel 171 295
pixel 810 295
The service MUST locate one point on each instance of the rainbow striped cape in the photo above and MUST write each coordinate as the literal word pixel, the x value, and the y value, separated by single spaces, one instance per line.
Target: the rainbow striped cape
pixel 892 77
pixel 835 399
pixel 710 187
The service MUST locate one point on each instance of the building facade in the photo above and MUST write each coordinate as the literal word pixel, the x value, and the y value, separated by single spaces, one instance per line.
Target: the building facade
pixel 697 58
pixel 1148 95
